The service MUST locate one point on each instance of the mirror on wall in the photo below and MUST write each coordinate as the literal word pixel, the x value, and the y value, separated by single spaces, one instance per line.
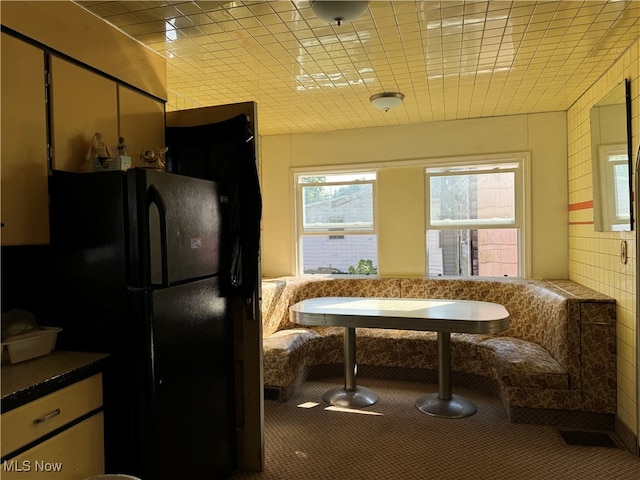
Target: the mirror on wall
pixel 611 161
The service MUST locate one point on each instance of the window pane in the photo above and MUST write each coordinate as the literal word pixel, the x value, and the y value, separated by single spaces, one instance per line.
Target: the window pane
pixel 482 252
pixel 621 182
pixel 478 199
pixel 340 207
pixel 356 254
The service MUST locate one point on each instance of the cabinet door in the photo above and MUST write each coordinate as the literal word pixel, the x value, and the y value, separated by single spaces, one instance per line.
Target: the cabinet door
pixel 24 203
pixel 83 103
pixel 141 122
pixel 20 427
pixel 74 454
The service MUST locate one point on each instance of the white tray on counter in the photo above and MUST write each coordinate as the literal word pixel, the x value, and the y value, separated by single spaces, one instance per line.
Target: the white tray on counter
pixel 31 345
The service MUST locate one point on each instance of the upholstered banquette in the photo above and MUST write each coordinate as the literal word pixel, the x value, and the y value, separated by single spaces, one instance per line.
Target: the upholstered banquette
pixel 555 364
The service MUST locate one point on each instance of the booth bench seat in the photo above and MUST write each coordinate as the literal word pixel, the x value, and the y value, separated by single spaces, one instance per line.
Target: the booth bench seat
pixel 555 364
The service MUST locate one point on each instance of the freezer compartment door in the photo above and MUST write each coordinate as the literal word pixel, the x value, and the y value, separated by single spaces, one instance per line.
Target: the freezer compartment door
pixel 193 381
pixel 177 226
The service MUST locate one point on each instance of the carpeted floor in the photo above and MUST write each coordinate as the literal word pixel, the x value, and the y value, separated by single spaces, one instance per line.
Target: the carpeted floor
pixel 393 440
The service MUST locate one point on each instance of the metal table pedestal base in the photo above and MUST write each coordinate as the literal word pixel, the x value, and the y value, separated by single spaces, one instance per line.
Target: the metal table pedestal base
pixel 358 398
pixel 443 403
pixel 350 395
pixel 456 407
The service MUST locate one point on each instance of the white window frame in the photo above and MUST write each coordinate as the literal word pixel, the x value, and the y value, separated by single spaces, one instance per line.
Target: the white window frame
pixel 298 206
pixel 522 221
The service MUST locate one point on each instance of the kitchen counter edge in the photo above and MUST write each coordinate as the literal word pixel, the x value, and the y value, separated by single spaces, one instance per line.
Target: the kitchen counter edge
pixel 24 382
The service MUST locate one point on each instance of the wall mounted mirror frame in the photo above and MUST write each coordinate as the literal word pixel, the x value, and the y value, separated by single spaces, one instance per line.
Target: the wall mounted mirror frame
pixel 612 161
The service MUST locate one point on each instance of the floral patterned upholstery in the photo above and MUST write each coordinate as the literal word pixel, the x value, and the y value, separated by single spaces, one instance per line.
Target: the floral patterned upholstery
pixel 285 353
pixel 525 364
pixel 559 352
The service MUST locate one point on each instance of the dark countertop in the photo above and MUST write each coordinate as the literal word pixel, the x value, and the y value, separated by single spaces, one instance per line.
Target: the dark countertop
pixel 24 382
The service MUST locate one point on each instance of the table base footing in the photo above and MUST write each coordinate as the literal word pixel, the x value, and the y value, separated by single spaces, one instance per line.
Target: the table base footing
pixel 358 398
pixel 456 407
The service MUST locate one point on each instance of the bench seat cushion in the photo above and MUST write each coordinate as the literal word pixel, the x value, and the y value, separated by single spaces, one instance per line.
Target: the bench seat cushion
pixel 285 352
pixel 524 364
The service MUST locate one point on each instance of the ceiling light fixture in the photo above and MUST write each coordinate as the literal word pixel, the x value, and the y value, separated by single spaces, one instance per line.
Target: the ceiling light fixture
pixel 338 11
pixel 386 100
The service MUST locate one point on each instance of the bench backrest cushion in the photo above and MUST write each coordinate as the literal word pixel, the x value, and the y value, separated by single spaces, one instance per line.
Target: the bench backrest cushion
pixel 538 314
pixel 279 294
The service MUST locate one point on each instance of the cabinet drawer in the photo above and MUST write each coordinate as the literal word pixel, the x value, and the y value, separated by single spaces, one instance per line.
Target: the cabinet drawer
pixel 35 419
pixel 75 454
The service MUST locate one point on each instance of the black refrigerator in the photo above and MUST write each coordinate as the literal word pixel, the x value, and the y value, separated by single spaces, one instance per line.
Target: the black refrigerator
pixel 143 261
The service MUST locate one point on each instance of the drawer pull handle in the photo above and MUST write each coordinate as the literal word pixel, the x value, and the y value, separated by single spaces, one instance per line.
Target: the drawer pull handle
pixel 48 416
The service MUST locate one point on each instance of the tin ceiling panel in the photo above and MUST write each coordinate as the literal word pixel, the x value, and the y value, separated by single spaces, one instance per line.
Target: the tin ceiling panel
pixel 451 59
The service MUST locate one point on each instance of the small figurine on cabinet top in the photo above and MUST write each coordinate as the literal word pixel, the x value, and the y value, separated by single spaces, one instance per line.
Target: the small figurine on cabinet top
pixel 98 156
pixel 154 158
pixel 123 147
pixel 121 153
pixel 98 149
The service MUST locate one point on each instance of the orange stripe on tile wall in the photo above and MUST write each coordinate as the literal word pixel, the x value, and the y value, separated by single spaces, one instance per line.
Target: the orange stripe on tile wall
pixel 581 205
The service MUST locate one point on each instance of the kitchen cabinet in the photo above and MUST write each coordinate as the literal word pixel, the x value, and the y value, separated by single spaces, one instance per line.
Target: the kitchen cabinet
pixel 55 428
pixel 51 107
pixel 24 169
pixel 141 120
pixel 65 429
pixel 83 103
pixel 68 455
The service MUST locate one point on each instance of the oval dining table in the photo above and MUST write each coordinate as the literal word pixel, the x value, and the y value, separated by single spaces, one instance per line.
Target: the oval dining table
pixel 438 315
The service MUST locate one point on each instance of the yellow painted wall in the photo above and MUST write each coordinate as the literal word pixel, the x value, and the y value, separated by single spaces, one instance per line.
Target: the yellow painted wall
pixel 401 228
pixel 594 256
pixel 276 183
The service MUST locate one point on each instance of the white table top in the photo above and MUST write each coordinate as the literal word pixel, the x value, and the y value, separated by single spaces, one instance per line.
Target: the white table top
pixel 462 316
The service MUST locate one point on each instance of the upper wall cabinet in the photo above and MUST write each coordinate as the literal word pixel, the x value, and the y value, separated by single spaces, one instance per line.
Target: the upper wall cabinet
pixel 83 103
pixel 46 127
pixel 24 167
pixel 99 82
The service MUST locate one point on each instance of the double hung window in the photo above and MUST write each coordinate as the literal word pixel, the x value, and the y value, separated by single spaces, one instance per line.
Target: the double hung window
pixel 336 223
pixel 474 218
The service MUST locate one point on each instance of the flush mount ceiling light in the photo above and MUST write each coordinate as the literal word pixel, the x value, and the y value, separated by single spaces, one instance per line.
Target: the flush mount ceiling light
pixel 338 11
pixel 386 100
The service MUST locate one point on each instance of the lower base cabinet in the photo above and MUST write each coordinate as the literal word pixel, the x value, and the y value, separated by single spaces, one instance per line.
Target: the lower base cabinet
pixel 59 436
pixel 59 457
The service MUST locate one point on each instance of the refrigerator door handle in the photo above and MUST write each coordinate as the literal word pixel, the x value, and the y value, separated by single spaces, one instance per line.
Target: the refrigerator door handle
pixel 154 197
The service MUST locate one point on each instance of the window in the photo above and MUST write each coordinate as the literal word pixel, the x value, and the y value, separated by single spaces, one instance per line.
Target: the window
pixel 336 223
pixel 474 219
